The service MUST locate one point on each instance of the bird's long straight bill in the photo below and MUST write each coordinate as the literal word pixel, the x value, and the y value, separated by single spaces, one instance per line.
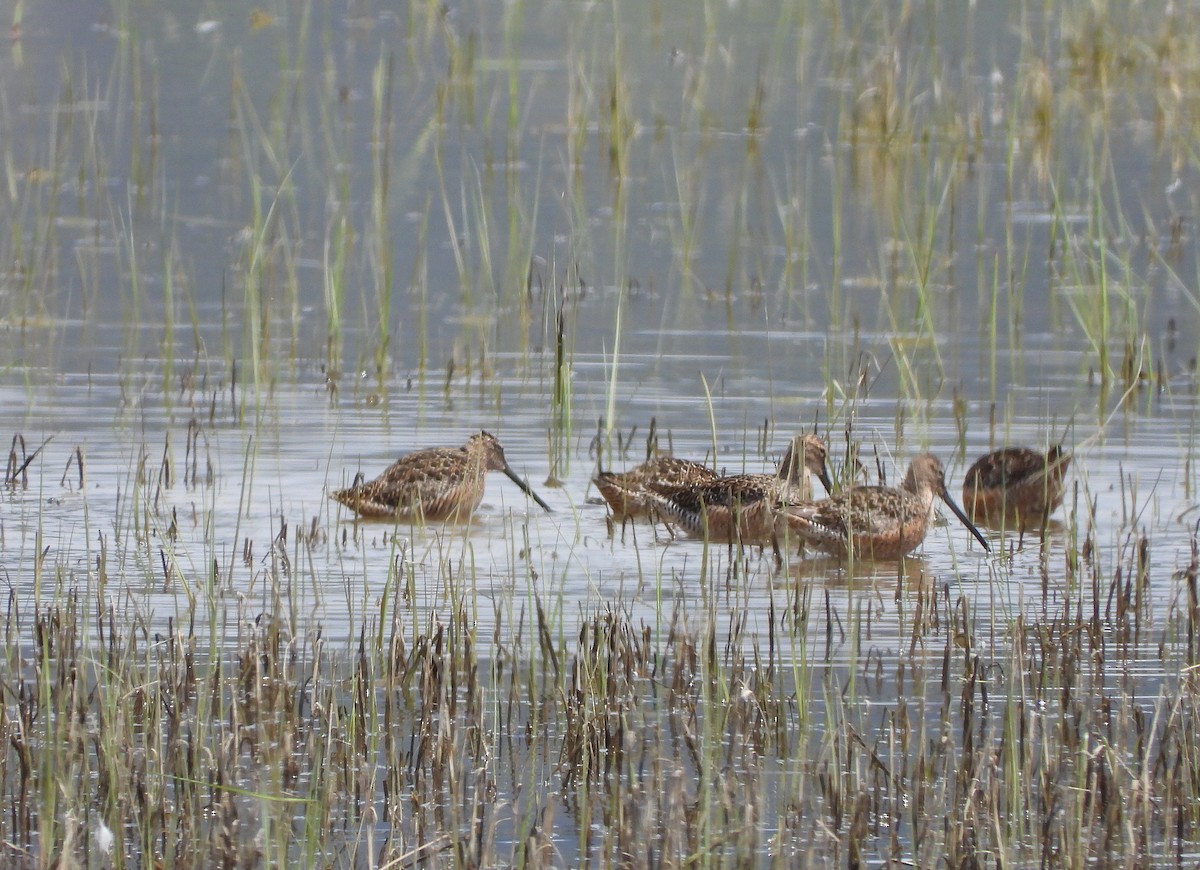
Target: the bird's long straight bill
pixel 526 488
pixel 962 517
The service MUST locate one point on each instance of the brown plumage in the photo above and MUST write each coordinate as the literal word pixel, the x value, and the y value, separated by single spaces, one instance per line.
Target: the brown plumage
pixel 877 522
pixel 626 492
pixel 1015 487
pixel 433 485
pixel 743 508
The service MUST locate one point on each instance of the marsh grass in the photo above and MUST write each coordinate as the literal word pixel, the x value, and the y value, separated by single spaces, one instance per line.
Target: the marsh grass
pixel 713 733
pixel 1036 708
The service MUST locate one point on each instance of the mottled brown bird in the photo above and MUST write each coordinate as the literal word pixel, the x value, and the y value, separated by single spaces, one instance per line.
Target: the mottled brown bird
pixel 433 485
pixel 877 522
pixel 625 492
pixel 743 508
pixel 1015 487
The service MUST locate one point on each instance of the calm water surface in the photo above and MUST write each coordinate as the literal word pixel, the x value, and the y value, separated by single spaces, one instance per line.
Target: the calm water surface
pixel 279 474
pixel 754 278
pixel 247 254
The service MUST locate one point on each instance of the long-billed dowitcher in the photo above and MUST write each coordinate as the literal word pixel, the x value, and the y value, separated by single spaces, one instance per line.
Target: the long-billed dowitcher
pixel 1016 487
pixel 743 508
pixel 433 485
pixel 877 522
pixel 626 492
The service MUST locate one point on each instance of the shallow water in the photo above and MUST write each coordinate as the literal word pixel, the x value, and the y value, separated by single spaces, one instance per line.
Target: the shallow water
pixel 280 472
pixel 198 284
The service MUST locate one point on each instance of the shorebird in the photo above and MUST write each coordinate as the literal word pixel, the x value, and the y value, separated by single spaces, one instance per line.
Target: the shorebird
pixel 626 492
pixel 877 522
pixel 1015 487
pixel 743 508
pixel 433 485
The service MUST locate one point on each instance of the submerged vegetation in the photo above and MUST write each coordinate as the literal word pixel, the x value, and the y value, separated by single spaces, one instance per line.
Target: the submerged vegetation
pixel 246 256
